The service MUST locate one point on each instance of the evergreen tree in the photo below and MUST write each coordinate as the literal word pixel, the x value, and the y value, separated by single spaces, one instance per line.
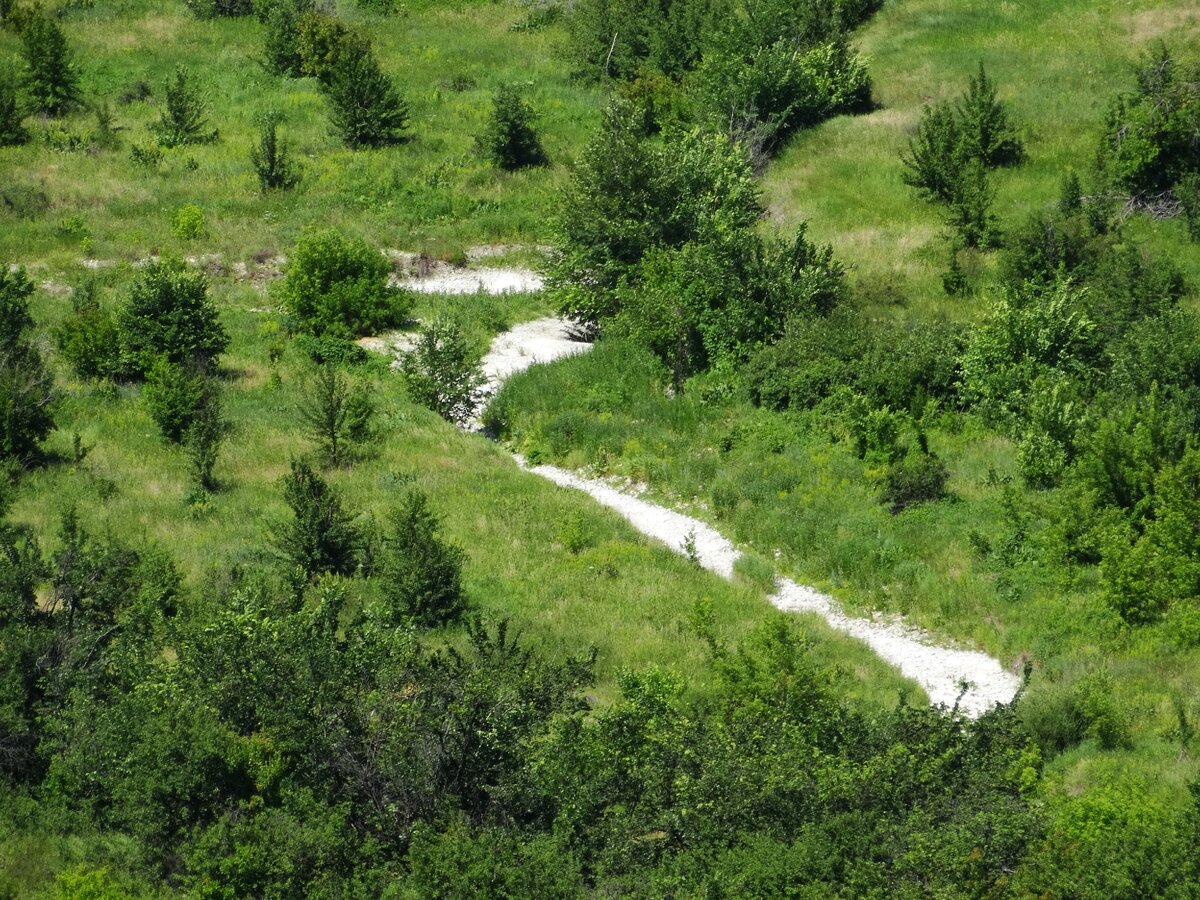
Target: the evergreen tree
pixel 50 77
pixel 12 132
pixel 365 109
pixel 271 160
pixel 183 120
pixel 320 538
pixel 510 140
pixel 26 387
pixel 337 414
pixel 989 135
pixel 203 439
pixel 423 574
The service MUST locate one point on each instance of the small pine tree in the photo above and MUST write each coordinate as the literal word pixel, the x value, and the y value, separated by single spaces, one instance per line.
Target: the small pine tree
pixel 1070 195
pixel 182 120
pixel 281 49
pixel 443 372
pixel 365 109
pixel 320 538
pixel 421 573
pixel 12 132
pixel 937 154
pixel 50 77
pixel 338 415
pixel 990 136
pixel 176 396
pixel 971 213
pixel 27 394
pixel 510 141
pixel 271 160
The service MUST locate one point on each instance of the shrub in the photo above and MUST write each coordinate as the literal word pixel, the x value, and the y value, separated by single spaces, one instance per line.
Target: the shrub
pixel 323 43
pixel 169 314
pixel 1188 192
pixel 12 132
pixel 183 119
pixel 51 79
pixel 443 373
pixel 319 539
pixel 281 43
pixel 203 440
pixel 27 394
pixel 338 286
pixel 272 163
pixel 364 106
pixel 188 223
pixel 211 9
pixel 989 136
pixel 175 396
pixel 1148 143
pixel 918 478
pixel 422 574
pixel 88 338
pixel 510 141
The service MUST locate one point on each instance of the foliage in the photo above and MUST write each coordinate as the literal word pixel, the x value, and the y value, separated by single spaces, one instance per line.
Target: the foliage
pixel 1150 133
pixel 919 477
pixel 211 9
pixel 1187 190
pixel 176 397
pixel 510 140
pixel 168 314
pixel 183 119
pixel 364 107
pixel 620 38
pixel 189 222
pixel 421 574
pixel 27 393
pixel 320 538
pixel 271 160
pixel 322 45
pixel 337 414
pixel 339 286
pixel 51 78
pixel 443 373
pixel 630 195
pixel 12 132
pixel 203 440
pixel 88 338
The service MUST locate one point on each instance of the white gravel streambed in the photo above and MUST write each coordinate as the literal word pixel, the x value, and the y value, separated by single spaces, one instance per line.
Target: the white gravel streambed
pixel 941 671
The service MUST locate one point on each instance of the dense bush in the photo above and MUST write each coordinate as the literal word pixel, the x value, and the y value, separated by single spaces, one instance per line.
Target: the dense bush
pixel 340 286
pixel 12 132
pixel 364 106
pixel 322 45
pixel 27 392
pixel 337 414
pixel 1149 139
pixel 174 395
pixel 920 477
pixel 211 9
pixel 88 338
pixel 168 315
pixel 510 140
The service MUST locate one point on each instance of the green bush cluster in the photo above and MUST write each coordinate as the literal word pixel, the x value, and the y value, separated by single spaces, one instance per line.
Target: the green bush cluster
pixel 340 287
pixel 27 394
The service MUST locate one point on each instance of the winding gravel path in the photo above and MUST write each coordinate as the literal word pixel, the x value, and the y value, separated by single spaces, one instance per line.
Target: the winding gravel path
pixel 941 671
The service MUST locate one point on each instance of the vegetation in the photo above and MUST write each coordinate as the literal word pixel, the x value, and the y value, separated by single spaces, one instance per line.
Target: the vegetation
pixel 244 656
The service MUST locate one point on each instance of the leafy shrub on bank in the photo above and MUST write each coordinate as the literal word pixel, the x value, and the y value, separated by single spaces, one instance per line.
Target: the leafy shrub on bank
pixel 339 286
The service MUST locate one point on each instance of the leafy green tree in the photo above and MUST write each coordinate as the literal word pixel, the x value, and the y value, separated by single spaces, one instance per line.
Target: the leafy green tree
pixel 169 314
pixel 183 118
pixel 12 132
pixel 281 48
pixel 364 107
pixel 510 140
pixel 51 78
pixel 272 163
pixel 177 397
pixel 323 43
pixel 443 373
pixel 340 286
pixel 422 574
pixel 337 414
pixel 27 394
pixel 989 135
pixel 320 538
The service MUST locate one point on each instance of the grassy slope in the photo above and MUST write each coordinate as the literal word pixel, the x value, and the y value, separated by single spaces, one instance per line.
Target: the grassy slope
pixel 432 193
pixel 1056 62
